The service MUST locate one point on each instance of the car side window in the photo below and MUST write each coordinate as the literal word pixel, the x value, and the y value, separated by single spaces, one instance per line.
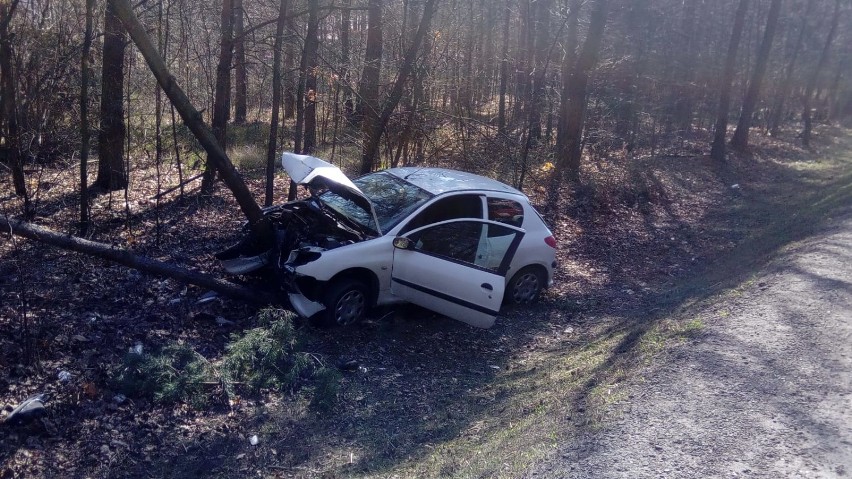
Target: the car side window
pixel 506 211
pixel 449 208
pixel 457 241
pixel 478 244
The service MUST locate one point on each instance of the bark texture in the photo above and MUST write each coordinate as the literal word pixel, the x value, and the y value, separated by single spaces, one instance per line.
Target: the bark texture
pixel 111 137
pixel 10 103
pixel 573 111
pixel 222 99
pixel 84 119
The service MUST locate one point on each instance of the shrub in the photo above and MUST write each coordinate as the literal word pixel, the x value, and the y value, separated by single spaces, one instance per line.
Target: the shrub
pixel 264 357
pixel 174 373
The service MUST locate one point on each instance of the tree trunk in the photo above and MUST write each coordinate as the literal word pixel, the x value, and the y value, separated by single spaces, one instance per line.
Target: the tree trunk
pixel 833 95
pixel 222 98
pixel 812 82
pixel 310 73
pixel 127 258
pixel 542 42
pixel 504 70
pixel 525 28
pixel 684 101
pixel 111 171
pixel 289 83
pixel 84 119
pixel 568 65
pixel 740 139
pixel 573 111
pixel 410 103
pixel 192 118
pixel 784 91
pixel 717 151
pixel 368 87
pixel 276 101
pixel 345 27
pixel 10 104
pixel 240 76
pixel 373 133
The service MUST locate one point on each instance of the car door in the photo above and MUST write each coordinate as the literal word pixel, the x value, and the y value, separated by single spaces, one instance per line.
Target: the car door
pixel 456 268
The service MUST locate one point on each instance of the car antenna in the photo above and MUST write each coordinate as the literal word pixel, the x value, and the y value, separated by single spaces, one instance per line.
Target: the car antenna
pixel 414 172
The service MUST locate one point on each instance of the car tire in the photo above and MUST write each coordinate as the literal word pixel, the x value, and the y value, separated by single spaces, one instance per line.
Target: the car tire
pixel 346 302
pixel 525 287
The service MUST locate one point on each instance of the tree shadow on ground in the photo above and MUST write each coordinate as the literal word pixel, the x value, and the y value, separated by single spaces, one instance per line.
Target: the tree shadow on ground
pixel 429 384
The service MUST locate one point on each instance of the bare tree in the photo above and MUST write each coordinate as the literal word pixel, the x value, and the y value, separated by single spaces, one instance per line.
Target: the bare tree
pixel 222 100
pixel 84 119
pixel 504 70
pixel 777 112
pixel 192 118
pixel 740 139
pixel 684 102
pixel 309 73
pixel 573 110
pixel 240 73
pixel 540 62
pixel 10 103
pixel 345 48
pixel 112 174
pixel 373 132
pixel 717 151
pixel 368 86
pixel 276 101
pixel 814 78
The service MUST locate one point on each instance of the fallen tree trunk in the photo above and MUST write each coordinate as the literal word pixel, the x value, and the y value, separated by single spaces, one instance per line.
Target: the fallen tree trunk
pixel 127 258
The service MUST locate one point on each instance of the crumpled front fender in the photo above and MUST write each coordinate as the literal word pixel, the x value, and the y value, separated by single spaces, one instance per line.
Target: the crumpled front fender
pixel 304 306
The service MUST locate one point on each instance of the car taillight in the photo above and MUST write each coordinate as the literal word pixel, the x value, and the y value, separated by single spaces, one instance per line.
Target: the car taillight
pixel 551 241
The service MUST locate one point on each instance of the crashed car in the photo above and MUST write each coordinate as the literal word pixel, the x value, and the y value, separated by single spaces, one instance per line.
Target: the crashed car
pixel 453 242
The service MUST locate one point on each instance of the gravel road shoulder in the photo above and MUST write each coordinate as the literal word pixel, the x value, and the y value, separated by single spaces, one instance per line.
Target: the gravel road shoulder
pixel 764 391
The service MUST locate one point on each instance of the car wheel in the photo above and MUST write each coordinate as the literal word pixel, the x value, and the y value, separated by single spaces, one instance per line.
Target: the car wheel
pixel 525 286
pixel 346 302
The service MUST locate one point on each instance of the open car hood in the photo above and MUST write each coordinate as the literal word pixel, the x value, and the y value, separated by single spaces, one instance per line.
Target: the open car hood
pixel 317 173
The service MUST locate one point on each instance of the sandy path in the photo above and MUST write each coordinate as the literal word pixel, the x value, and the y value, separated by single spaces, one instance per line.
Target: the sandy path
pixel 765 391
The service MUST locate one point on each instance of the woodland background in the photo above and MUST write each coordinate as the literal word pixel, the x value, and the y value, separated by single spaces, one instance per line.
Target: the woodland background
pixel 672 144
pixel 503 88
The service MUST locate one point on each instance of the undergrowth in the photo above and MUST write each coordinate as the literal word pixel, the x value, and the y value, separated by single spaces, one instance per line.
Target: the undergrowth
pixel 171 374
pixel 262 358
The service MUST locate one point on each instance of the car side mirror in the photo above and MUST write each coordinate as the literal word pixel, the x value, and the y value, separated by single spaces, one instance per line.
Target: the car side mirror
pixel 402 242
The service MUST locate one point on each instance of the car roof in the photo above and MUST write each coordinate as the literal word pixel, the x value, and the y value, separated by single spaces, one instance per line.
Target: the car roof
pixel 442 180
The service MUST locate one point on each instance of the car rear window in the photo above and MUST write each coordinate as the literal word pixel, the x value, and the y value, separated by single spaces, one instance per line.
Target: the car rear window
pixel 506 211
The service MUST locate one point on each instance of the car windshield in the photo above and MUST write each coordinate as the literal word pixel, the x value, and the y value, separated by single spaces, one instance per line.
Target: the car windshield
pixel 392 198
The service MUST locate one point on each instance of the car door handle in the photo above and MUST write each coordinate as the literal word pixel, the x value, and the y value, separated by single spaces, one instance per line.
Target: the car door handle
pixel 487 286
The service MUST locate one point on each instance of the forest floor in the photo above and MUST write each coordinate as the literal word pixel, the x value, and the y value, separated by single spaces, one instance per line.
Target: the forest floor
pixel 651 242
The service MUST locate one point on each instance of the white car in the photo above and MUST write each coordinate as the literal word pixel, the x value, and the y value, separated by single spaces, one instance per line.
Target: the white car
pixel 452 242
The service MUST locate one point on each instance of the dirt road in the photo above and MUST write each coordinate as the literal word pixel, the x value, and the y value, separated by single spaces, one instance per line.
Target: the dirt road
pixel 764 391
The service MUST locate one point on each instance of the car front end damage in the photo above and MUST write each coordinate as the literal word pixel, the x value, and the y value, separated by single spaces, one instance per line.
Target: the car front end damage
pixel 302 231
pixel 336 214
